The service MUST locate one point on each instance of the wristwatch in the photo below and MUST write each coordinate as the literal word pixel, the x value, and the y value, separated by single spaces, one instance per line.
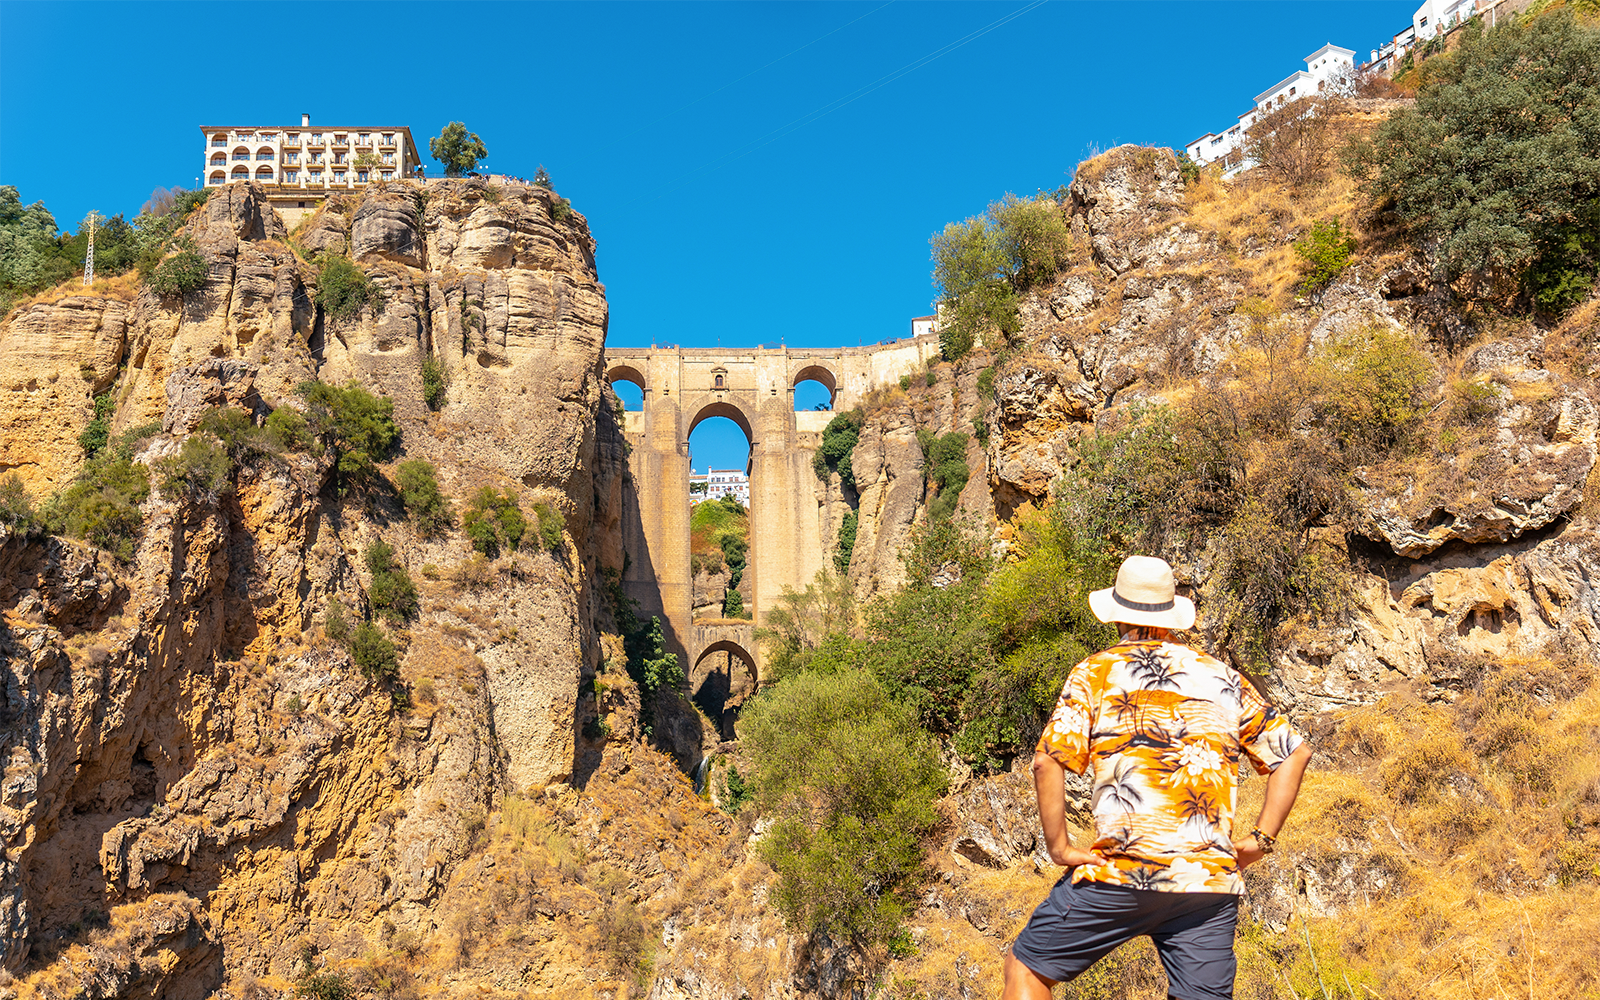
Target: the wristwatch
pixel 1266 841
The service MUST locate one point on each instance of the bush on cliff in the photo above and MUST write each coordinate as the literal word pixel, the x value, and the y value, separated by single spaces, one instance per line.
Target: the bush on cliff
pixel 185 271
pixel 551 525
pixel 494 521
pixel 374 653
pixel 200 472
pixel 343 290
pixel 392 592
pixel 849 780
pixel 838 445
pixel 98 431
pixel 1496 170
pixel 944 464
pixel 424 502
pixel 983 264
pixel 101 506
pixel 358 426
pixel 16 507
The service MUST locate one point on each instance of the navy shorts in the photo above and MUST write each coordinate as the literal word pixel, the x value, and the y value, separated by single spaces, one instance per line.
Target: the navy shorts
pixel 1077 925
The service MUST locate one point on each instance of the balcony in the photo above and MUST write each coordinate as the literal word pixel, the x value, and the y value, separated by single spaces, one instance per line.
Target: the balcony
pixel 265 156
pixel 341 142
pixel 241 156
pixel 219 142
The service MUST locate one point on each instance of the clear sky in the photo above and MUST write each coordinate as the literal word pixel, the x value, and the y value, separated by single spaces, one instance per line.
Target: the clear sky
pixel 753 173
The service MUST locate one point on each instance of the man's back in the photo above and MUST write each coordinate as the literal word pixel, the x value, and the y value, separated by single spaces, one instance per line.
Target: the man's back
pixel 1162 727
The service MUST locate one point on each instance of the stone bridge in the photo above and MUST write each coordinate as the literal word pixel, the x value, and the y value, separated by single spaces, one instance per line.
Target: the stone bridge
pixel 754 389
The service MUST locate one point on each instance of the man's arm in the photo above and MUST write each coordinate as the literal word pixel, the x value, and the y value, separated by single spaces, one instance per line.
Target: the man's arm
pixel 1283 785
pixel 1050 785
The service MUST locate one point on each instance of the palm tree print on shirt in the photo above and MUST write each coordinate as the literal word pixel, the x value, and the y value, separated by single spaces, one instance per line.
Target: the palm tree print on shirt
pixel 1160 727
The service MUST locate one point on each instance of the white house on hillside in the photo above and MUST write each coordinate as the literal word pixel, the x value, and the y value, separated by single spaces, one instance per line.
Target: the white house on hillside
pixel 1327 63
pixel 1435 16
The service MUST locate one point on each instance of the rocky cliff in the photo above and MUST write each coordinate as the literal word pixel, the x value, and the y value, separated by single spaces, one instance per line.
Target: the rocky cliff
pixel 188 757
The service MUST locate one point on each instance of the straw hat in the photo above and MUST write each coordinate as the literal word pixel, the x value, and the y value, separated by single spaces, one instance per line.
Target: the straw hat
pixel 1145 594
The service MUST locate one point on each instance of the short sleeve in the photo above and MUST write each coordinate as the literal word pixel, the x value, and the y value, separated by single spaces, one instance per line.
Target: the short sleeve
pixel 1066 735
pixel 1265 735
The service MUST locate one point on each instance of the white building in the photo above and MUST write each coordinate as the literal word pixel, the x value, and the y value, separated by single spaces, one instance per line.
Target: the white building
pixel 1435 16
pixel 720 483
pixel 1329 64
pixel 299 166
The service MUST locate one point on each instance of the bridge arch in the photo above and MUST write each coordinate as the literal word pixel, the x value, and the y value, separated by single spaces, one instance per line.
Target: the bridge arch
pixel 820 374
pixel 625 373
pixel 723 408
pixel 722 678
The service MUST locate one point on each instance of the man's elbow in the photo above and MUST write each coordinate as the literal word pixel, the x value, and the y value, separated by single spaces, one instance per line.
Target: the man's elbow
pixel 1044 764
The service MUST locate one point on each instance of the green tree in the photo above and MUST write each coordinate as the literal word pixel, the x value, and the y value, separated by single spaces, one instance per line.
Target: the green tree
pixel 849 780
pixel 944 463
pixel 435 380
pixel 458 149
pixel 551 525
pixel 1496 169
pixel 494 521
pixel 732 604
pixel 424 502
pixel 356 425
pixel 16 507
pixel 200 471
pixel 846 543
pixel 983 264
pixel 184 272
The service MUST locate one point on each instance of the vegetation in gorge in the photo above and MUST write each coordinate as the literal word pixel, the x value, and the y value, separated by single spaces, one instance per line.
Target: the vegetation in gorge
pixel 494 521
pixel 838 444
pixel 425 503
pixel 355 425
pixel 343 289
pixel 101 506
pixel 719 540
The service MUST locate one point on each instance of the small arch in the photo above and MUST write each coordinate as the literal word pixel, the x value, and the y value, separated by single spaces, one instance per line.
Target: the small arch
pixel 218 177
pixel 719 686
pixel 241 173
pixel 264 175
pixel 219 159
pixel 632 379
pixel 266 153
pixel 241 152
pixel 815 388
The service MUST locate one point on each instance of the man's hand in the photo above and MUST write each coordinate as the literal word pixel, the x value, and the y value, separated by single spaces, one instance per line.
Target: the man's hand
pixel 1247 851
pixel 1072 857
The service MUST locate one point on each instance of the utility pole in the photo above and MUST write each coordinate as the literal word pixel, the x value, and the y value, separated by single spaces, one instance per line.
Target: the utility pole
pixel 88 259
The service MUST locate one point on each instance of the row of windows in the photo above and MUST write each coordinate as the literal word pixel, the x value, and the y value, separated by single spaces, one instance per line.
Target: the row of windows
pixel 218 159
pixel 293 176
pixel 293 138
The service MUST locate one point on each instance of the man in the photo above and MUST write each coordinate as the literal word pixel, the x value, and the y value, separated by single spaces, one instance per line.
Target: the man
pixel 1162 726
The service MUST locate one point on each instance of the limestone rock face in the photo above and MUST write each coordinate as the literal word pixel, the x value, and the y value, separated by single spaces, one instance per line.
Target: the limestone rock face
pixel 184 711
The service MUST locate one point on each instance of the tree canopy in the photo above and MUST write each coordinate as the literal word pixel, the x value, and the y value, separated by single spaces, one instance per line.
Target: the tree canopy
pixel 1496 170
pixel 458 149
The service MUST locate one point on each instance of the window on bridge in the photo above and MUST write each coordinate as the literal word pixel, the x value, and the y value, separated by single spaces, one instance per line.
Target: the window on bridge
pixel 812 395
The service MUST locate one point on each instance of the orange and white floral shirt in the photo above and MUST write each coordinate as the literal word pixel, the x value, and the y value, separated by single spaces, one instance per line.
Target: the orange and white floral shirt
pixel 1163 726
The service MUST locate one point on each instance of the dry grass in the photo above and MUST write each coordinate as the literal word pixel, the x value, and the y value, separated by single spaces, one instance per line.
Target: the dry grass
pixel 124 288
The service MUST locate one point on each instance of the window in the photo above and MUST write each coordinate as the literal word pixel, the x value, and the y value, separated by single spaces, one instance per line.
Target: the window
pixel 388 138
pixel 316 137
pixel 361 175
pixel 1291 91
pixel 365 139
pixel 388 175
pixel 388 157
pixel 316 157
pixel 291 176
pixel 338 176
pixel 719 381
pixel 316 177
pixel 291 158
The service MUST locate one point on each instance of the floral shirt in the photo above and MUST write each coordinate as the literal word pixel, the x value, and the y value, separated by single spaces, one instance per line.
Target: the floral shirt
pixel 1163 726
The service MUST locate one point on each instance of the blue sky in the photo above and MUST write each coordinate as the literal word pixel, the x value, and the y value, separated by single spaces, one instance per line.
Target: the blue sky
pixel 754 173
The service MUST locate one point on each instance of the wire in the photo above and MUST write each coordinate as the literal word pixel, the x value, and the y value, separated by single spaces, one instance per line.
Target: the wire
pixel 730 83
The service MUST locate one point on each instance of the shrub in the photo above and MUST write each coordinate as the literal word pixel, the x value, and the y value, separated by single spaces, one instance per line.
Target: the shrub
pixel 239 434
pixel 981 265
pixel 734 551
pixel 358 426
pixel 374 653
pixel 838 445
pixel 932 377
pixel 183 272
pixel 944 463
pixel 733 604
pixel 1491 171
pixel 493 521
pixel 1473 401
pixel 551 524
pixel 1326 249
pixel 561 210
pixel 325 986
pixel 847 542
pixel 420 494
pixel 392 593
pixel 905 382
pixel 1374 387
pixel 986 383
pixel 850 781
pixel 200 471
pixel 101 505
pixel 434 382
pixel 474 572
pixel 98 431
pixel 1295 143
pixel 739 793
pixel 16 508
pixel 343 290
pixel 287 430
pixel 335 624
